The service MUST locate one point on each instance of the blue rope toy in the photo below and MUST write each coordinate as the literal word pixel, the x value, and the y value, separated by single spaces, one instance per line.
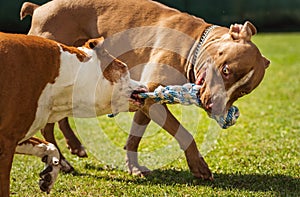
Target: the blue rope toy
pixel 187 94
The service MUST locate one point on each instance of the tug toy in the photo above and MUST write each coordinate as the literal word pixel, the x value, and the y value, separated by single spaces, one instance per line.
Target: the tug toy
pixel 187 94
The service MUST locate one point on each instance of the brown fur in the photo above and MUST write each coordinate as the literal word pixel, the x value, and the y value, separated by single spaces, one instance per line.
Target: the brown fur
pixel 113 69
pixel 27 63
pixel 34 141
pixel 82 56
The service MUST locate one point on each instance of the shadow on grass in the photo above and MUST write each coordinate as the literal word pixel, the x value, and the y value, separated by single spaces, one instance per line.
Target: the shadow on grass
pixel 251 182
pixel 285 185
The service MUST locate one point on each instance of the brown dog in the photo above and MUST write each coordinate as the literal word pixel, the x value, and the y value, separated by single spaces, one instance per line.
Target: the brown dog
pixel 43 81
pixel 171 48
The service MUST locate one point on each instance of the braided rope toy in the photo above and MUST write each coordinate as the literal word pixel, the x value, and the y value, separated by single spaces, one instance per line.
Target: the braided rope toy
pixel 187 94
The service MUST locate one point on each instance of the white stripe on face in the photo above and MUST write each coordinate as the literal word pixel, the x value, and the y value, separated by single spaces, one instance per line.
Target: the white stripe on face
pixel 238 84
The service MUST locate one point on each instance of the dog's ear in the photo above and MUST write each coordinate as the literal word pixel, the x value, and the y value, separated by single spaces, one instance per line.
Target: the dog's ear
pixel 94 43
pixel 242 32
pixel 81 55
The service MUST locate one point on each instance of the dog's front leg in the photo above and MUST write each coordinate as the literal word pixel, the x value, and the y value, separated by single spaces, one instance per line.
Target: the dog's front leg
pixel 162 116
pixel 139 124
pixel 49 154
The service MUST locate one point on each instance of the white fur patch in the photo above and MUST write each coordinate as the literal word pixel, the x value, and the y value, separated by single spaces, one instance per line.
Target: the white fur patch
pixel 81 91
pixel 239 83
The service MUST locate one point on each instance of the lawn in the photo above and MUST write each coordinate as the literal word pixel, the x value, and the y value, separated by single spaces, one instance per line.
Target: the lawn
pixel 259 156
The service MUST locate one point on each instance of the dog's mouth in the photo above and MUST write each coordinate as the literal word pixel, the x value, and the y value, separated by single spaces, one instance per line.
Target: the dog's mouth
pixel 213 104
pixel 135 97
pixel 207 105
pixel 201 79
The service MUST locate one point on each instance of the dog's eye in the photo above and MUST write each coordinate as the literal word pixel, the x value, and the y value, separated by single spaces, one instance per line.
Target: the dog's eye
pixel 225 70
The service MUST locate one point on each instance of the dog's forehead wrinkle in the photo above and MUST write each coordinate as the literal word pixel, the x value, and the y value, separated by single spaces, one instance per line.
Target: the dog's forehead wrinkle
pixel 235 47
pixel 233 54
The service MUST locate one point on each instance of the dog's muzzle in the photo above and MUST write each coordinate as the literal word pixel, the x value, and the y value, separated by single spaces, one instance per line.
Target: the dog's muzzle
pixel 136 99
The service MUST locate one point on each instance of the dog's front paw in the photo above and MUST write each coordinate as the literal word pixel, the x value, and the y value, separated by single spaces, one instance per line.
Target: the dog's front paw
pixel 133 166
pixel 201 170
pixel 78 150
pixel 46 179
pixel 138 170
pixel 49 174
pixel 198 166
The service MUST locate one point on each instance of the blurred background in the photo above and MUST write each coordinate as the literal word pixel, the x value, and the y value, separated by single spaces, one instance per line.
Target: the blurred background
pixel 267 15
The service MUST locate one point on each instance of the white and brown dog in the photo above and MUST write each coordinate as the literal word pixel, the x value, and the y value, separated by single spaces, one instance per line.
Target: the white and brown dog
pixel 171 48
pixel 44 81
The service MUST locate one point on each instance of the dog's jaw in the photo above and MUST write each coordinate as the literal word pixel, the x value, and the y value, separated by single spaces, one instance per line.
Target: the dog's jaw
pixel 125 95
pixel 135 102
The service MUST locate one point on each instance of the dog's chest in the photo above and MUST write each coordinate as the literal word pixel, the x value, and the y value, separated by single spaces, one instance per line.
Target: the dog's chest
pixel 79 90
pixel 55 101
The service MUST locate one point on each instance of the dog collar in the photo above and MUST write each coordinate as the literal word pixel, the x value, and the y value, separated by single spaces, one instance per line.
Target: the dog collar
pixel 198 49
pixel 200 43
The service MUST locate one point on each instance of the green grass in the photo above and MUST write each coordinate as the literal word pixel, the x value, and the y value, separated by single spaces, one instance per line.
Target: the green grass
pixel 259 156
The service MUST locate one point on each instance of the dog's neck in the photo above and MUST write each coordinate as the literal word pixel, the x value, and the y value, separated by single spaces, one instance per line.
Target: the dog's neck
pixel 195 52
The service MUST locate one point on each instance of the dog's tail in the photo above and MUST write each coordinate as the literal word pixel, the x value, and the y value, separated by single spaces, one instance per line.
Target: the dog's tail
pixel 27 9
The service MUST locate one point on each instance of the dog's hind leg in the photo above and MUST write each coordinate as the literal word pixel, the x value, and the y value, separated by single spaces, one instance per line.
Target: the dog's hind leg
pixel 73 142
pixel 49 154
